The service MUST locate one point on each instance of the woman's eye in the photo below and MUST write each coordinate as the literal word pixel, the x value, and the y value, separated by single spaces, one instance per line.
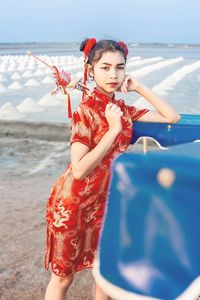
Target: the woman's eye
pixel 105 68
pixel 121 68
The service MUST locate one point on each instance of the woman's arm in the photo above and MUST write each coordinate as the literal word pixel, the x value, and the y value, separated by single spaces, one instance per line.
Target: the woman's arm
pixel 165 113
pixel 84 161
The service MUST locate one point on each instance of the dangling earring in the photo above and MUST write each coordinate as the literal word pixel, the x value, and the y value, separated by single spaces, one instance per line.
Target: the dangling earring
pixel 91 73
pixel 92 77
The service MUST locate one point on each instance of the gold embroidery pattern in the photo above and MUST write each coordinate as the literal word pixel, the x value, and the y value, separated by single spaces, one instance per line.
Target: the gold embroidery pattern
pixel 86 262
pixel 76 247
pixel 61 216
pixel 80 129
pixel 91 214
pixel 59 245
pixel 104 182
pixel 88 239
pixel 97 119
pixel 86 113
pixel 66 188
pixel 81 209
pixel 86 191
pixel 57 271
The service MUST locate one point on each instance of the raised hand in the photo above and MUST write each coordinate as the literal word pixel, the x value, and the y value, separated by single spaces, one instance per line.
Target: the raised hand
pixel 113 115
pixel 129 84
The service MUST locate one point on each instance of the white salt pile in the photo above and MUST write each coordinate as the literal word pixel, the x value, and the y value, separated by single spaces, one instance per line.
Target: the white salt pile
pixel 31 66
pixel 15 76
pixel 21 67
pixel 29 106
pixel 15 86
pixel 3 69
pixel 39 72
pixel 11 68
pixel 2 88
pixel 9 112
pixel 47 71
pixel 48 80
pixel 49 100
pixel 3 78
pixel 141 72
pixel 28 74
pixel 32 82
pixel 168 83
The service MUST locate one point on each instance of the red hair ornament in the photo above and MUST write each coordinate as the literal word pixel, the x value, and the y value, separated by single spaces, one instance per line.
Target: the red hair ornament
pixel 88 47
pixel 124 46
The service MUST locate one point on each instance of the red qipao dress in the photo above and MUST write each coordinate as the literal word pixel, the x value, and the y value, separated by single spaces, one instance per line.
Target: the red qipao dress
pixel 75 208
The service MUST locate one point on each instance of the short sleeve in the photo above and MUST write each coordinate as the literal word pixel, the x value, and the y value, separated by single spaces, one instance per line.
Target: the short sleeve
pixel 81 126
pixel 135 113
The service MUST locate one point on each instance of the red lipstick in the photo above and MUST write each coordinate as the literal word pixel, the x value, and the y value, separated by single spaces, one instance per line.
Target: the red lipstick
pixel 113 84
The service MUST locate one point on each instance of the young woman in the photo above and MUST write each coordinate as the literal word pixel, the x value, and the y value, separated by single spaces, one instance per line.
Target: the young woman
pixel 101 129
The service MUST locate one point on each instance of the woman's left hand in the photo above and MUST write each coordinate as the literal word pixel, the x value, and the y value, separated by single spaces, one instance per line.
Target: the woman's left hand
pixel 129 84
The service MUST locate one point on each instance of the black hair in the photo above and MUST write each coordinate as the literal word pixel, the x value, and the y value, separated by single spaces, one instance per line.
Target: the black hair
pixel 101 47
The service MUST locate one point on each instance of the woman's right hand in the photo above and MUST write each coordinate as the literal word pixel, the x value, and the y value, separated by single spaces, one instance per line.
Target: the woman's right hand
pixel 113 115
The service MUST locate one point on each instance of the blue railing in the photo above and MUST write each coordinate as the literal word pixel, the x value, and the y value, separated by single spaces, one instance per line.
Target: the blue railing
pixel 185 131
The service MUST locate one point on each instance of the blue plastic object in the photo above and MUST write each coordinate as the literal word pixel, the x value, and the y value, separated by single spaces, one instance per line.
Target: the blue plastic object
pixel 150 243
pixel 186 130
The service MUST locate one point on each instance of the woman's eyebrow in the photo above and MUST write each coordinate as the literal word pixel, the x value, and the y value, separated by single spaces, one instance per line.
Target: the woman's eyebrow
pixel 107 64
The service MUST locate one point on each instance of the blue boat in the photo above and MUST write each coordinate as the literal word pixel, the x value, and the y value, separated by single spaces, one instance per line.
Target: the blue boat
pixel 150 242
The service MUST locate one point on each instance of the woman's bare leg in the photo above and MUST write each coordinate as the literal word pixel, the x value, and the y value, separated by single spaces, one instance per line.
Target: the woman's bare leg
pixel 99 293
pixel 57 287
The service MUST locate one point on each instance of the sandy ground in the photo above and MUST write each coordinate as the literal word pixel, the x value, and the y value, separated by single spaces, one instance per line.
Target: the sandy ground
pixel 22 241
pixel 29 167
pixel 23 197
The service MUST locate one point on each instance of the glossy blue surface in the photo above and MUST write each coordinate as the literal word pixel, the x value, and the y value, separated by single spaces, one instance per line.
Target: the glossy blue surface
pixel 150 244
pixel 186 130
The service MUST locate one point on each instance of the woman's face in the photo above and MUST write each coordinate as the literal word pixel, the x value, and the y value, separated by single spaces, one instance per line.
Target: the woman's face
pixel 109 72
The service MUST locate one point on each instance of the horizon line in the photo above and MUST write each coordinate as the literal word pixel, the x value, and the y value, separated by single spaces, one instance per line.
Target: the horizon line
pixel 133 43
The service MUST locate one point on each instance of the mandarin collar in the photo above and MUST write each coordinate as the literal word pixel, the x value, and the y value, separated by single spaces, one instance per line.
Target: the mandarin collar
pixel 101 96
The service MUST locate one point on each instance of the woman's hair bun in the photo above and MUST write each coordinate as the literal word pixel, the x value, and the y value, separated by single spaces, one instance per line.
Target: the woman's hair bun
pixel 83 44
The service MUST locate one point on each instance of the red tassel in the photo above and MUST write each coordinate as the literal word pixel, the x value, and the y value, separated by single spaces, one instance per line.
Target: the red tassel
pixel 84 76
pixel 89 45
pixel 124 46
pixel 85 71
pixel 68 103
pixel 69 110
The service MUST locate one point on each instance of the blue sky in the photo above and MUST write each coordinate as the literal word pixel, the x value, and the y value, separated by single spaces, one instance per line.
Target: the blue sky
pixel 165 21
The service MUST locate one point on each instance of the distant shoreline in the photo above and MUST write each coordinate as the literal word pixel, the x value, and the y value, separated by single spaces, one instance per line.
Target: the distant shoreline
pixel 74 44
pixel 73 48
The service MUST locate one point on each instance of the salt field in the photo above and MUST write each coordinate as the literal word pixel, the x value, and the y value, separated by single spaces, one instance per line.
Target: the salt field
pixel 26 84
